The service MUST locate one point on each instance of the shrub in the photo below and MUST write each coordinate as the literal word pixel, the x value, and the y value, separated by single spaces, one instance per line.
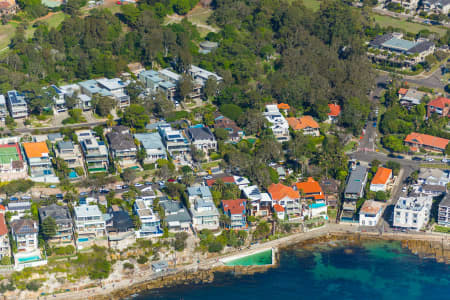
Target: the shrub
pixel 128 265
pixel 33 285
pixel 142 260
pixel 148 167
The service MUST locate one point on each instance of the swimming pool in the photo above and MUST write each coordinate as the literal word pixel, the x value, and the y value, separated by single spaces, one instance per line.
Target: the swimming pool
pixel 83 239
pixel 258 259
pixel 28 259
pixel 73 175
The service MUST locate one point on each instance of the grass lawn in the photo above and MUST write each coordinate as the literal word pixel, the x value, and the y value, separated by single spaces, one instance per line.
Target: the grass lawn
pixel 312 4
pixel 435 166
pixel 350 146
pixel 385 21
pixel 441 229
pixel 210 165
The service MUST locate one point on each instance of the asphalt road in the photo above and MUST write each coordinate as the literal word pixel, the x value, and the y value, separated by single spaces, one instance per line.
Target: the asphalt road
pixel 433 81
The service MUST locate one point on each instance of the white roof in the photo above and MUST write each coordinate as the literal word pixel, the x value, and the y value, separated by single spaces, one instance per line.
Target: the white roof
pixel 169 74
pixel 2 100
pixel 87 211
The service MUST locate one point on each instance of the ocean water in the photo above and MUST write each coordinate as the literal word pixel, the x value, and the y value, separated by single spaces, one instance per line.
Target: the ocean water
pixel 372 270
pixel 261 258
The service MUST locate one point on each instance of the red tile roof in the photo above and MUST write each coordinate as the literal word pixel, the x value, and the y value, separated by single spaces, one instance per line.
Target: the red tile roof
pixel 235 207
pixel 371 207
pixel 284 106
pixel 427 140
pixel 3 228
pixel 440 102
pixel 226 179
pixel 35 149
pixel 402 91
pixel 278 208
pixel 335 110
pixel 382 176
pixel 279 191
pixel 302 123
pixel 2 208
pixel 309 187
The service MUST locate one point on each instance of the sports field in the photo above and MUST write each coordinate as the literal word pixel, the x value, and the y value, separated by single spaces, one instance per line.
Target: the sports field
pixel 9 153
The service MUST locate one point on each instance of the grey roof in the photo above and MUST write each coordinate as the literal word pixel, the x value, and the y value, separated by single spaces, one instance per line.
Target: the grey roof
pixel 446 201
pixel 420 47
pixel 54 136
pixel 379 40
pixel 441 2
pixel 175 211
pixel 399 44
pixel 160 264
pixel 59 213
pixel 120 141
pixel 356 180
pixel 65 145
pixel 24 226
pixel 150 140
pixel 154 126
pixel 200 133
pixel 202 191
pixel 433 188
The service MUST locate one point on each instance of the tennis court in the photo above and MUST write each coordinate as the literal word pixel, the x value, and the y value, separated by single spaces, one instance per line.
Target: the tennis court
pixel 9 153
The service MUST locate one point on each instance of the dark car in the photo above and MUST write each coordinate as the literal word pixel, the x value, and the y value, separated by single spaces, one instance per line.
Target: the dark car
pixel 392 155
pixel 126 186
pixel 416 158
pixel 148 183
pixel 374 124
pixel 400 157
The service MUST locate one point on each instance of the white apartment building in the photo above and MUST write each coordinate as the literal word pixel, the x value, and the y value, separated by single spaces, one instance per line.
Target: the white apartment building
pixel 279 124
pixel 3 108
pixel 89 222
pixel 17 105
pixel 412 212
pixel 205 214
pixel 370 213
pixel 174 140
pixel 150 222
pixel 25 234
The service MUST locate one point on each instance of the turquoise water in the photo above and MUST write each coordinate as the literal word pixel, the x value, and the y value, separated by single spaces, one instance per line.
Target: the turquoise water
pixel 28 259
pixel 316 205
pixel 83 239
pixel 373 270
pixel 73 175
pixel 258 259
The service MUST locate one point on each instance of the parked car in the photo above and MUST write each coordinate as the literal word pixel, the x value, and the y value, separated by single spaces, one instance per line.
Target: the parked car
pixel 429 159
pixel 148 183
pixel 138 184
pixel 171 180
pixel 118 187
pixel 416 158
pixel 208 177
pixel 374 124
pixel 125 186
pixel 400 157
pixel 444 160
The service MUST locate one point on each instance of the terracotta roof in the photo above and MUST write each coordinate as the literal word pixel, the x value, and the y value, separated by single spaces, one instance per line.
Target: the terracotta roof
pixel 226 179
pixel 279 191
pixel 427 140
pixel 2 208
pixel 35 149
pixel 382 176
pixel 309 187
pixel 235 207
pixel 335 110
pixel 278 208
pixel 402 91
pixel 284 106
pixel 3 228
pixel 302 123
pixel 440 102
pixel 371 207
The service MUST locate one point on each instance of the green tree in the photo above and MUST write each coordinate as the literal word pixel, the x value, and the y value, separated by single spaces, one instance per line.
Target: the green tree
pixel 48 228
pixel 231 111
pixel 185 86
pixel 103 105
pixel 135 117
pixel 128 175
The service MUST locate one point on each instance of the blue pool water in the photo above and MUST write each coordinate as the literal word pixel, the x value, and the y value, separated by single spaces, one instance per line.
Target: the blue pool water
pixel 371 270
pixel 316 205
pixel 83 239
pixel 28 259
pixel 73 175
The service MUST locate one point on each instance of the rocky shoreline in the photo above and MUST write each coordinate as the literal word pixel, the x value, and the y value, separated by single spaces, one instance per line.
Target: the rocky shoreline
pixel 439 250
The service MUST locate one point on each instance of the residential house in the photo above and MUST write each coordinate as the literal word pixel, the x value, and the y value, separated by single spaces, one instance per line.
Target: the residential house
pixel 59 99
pixel 411 97
pixel 279 125
pixel 70 153
pixel 311 192
pixel 207 46
pixel 38 158
pixel 201 138
pixel 355 183
pixel 402 92
pixel 370 213
pixel 427 142
pixel 160 266
pixel 63 220
pixel 286 197
pixel 201 75
pixel 3 108
pixel 153 146
pixel 306 124
pixel 120 228
pixel 235 133
pixel 122 146
pixel 335 111
pixel 94 151
pixel 8 7
pixel 331 190
pixel 117 88
pixel 412 212
pixel 176 215
pixel 155 82
pixel 84 101
pixel 174 140
pixel 241 181
pixel 261 203
pixel 25 234
pixel 407 4
pixel 18 207
pixel 439 106
pixel 17 105
pixel 443 212
pixel 5 249
pixel 224 179
pixel 236 211
pixel 150 221
pixel 436 6
pixel 433 190
pixel 396 50
pixel 204 213
pixel 89 224
pixel 433 177
pixel 381 180
pixel 280 211
pixel 12 165
pixel 55 137
pixel 284 107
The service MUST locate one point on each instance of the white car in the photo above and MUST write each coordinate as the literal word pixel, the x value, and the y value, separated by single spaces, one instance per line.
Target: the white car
pixel 138 184
pixel 118 187
pixel 445 160
pixel 429 159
